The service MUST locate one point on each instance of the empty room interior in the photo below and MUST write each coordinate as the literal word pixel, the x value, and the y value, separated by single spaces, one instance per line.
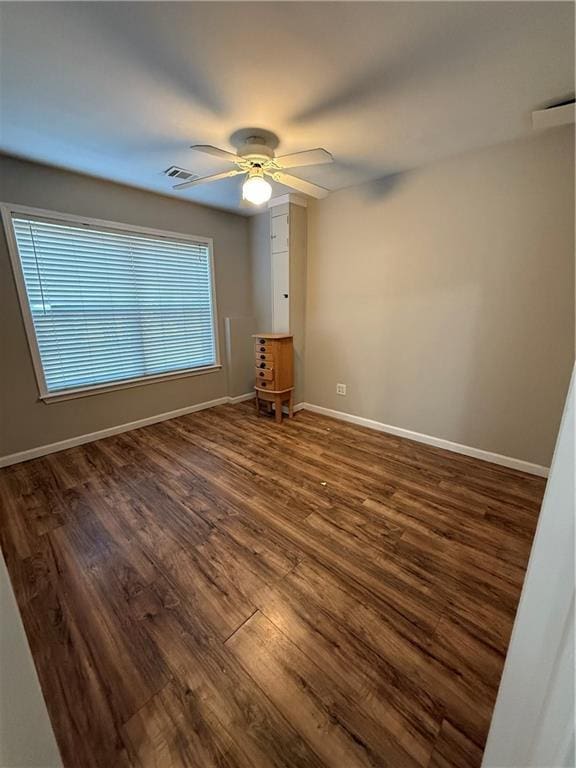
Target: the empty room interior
pixel 287 297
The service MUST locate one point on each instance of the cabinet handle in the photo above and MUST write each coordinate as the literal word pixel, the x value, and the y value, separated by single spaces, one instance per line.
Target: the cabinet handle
pixel 262 365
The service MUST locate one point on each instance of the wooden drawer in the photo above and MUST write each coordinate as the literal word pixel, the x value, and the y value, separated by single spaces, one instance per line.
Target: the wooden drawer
pixel 264 357
pixel 262 349
pixel 266 375
pixel 264 364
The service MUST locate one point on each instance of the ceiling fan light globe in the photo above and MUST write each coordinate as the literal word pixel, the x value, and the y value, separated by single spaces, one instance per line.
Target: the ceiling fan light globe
pixel 256 190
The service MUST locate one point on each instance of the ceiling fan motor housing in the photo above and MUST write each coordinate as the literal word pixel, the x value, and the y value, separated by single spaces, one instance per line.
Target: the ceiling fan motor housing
pixel 256 150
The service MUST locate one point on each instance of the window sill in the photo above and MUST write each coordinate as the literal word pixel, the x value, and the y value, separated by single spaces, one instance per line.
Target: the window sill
pixel 99 389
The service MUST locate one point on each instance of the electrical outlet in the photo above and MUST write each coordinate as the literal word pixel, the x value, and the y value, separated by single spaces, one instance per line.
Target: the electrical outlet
pixel 340 389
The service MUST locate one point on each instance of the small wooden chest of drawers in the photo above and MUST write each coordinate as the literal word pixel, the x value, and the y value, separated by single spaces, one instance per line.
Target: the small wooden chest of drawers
pixel 274 369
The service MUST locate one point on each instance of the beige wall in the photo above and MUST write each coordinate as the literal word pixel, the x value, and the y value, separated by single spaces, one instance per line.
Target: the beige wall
pixel 25 422
pixel 444 298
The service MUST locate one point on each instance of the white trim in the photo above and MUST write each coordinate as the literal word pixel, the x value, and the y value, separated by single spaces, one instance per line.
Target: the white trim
pixel 242 398
pixel 72 442
pixel 98 389
pixel 115 226
pixel 477 453
pixel 23 302
pixel 6 211
pixel 289 198
pixel 437 442
pixel 533 720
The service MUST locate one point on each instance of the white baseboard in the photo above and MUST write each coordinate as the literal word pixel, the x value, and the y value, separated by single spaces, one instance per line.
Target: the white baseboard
pixel 62 445
pixel 437 442
pixel 242 398
pixel 466 450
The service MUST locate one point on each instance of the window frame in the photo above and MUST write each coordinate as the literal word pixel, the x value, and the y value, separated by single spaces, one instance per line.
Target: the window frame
pixel 7 210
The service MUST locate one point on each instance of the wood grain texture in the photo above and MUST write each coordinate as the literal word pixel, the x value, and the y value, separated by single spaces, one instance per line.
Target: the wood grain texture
pixel 220 590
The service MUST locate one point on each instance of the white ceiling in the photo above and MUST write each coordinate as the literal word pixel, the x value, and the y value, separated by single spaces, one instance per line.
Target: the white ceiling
pixel 120 90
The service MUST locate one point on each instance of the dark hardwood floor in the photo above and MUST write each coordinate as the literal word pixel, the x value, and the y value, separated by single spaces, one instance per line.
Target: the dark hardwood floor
pixel 219 590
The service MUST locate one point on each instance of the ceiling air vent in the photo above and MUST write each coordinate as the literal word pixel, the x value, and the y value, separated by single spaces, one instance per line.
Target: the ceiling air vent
pixel 179 173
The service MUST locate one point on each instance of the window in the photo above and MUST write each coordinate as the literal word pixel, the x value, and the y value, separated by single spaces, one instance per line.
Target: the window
pixel 107 305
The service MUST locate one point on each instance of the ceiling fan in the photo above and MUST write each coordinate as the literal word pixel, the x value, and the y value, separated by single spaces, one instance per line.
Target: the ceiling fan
pixel 256 160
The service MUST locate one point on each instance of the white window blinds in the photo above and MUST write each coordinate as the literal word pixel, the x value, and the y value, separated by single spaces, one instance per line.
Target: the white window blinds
pixel 112 306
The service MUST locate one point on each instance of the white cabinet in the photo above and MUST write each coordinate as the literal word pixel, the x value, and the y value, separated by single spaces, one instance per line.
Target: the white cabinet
pixel 279 232
pixel 280 291
pixel 288 274
pixel 280 263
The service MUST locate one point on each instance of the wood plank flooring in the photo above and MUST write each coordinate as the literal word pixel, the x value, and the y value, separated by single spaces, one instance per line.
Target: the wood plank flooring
pixel 220 590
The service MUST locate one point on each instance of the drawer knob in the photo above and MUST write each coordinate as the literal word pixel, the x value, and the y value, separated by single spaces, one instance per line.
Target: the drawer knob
pixel 262 349
pixel 262 341
pixel 262 365
pixel 262 373
pixel 262 357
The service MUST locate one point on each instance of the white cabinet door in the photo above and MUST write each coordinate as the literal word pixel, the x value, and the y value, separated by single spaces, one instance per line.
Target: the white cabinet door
pixel 280 291
pixel 279 233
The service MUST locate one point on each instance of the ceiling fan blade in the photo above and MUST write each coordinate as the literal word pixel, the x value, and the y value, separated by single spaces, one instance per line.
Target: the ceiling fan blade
pixel 206 179
pixel 302 186
pixel 216 152
pixel 308 157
